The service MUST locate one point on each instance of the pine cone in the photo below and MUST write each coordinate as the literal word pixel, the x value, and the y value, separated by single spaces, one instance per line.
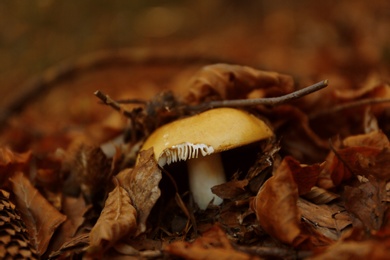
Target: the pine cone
pixel 14 238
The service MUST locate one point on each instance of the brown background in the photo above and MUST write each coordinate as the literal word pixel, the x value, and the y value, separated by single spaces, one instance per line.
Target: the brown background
pixel 308 39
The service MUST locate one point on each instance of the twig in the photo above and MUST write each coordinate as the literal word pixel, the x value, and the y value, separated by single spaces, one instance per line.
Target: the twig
pixel 335 109
pixel 112 103
pixel 272 101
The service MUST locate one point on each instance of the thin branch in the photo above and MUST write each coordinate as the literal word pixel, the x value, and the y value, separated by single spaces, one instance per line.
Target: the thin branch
pixel 272 101
pixel 335 109
pixel 112 103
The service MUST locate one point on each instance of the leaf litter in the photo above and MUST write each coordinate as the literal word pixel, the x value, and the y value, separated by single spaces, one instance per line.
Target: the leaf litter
pixel 326 199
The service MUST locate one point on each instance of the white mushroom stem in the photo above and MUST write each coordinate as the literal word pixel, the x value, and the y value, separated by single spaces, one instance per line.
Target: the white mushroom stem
pixel 205 172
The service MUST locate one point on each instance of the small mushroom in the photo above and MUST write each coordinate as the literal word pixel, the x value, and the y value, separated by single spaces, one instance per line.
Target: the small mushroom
pixel 199 139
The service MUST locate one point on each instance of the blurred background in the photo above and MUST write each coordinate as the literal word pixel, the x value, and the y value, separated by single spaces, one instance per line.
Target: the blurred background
pixel 309 39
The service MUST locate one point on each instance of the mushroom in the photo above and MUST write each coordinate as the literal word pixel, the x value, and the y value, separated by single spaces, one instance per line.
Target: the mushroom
pixel 199 139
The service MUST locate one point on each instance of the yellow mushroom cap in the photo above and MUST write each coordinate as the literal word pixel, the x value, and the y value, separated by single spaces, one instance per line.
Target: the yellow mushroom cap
pixel 213 131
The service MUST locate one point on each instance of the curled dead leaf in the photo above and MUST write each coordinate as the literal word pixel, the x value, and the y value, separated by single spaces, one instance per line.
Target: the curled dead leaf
pixel 213 244
pixel 10 162
pixel 275 205
pixel 142 185
pixel 231 189
pixel 324 215
pixel 118 218
pixel 375 139
pixel 305 176
pixel 366 203
pixel 365 155
pixel 369 249
pixel 89 171
pixel 225 81
pixel 41 218
pixel 74 209
pixel 319 195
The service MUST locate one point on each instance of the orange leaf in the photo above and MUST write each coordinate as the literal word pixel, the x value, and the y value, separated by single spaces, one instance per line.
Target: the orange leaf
pixel 366 202
pixel 230 189
pixel 41 218
pixel 213 244
pixel 117 219
pixel 10 162
pixel 142 186
pixel 225 81
pixel 275 205
pixel 304 176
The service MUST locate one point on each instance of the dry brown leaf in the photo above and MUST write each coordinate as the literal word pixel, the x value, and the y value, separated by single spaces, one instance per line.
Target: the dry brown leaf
pixel 89 171
pixel 41 218
pixel 305 176
pixel 374 87
pixel 361 161
pixel 231 189
pixel 142 185
pixel 74 209
pixel 213 244
pixel 10 162
pixel 299 138
pixel 225 81
pixel 369 249
pixel 375 139
pixel 117 219
pixel 320 196
pixel 365 155
pixel 324 215
pixel 275 205
pixel 75 245
pixel 366 203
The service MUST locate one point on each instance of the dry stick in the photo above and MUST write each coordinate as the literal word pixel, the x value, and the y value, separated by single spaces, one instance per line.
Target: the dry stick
pixel 115 105
pixel 272 101
pixel 112 103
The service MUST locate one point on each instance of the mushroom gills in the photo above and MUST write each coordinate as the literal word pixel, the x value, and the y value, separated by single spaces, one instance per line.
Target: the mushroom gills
pixel 204 173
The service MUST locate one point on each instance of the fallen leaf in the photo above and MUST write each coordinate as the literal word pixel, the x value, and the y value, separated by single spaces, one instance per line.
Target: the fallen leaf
pixel 117 219
pixel 230 189
pixel 213 244
pixel 41 218
pixel 275 205
pixel 74 209
pixel 375 139
pixel 305 176
pixel 336 170
pixel 365 155
pixel 225 81
pixel 142 185
pixel 10 162
pixel 369 249
pixel 75 245
pixel 89 171
pixel 299 139
pixel 324 215
pixel 320 196
pixel 366 203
